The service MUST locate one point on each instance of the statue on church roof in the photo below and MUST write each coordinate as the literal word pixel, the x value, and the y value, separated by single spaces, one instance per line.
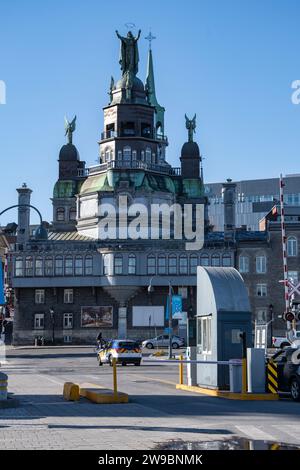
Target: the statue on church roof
pixel 70 128
pixel 129 54
pixel 190 124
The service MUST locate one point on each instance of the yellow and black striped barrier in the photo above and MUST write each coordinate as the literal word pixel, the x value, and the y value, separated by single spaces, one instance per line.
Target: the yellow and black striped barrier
pixel 272 377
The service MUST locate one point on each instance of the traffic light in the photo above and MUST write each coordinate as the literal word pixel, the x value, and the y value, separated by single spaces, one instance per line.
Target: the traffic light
pixel 288 316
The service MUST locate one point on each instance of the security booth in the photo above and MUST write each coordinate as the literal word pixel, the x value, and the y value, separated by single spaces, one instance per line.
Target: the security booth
pixel 191 350
pixel 223 314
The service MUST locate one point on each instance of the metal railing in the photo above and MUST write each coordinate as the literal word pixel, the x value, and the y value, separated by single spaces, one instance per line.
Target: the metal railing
pixel 130 164
pixel 106 135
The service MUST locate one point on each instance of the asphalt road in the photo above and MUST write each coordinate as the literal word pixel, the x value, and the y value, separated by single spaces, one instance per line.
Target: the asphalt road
pixel 157 412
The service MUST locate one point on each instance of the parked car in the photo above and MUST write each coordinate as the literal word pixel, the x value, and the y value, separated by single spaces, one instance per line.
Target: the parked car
pixel 288 368
pixel 125 351
pixel 162 341
pixel 282 341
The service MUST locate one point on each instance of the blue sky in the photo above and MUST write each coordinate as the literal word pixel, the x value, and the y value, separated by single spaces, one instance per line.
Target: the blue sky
pixel 230 61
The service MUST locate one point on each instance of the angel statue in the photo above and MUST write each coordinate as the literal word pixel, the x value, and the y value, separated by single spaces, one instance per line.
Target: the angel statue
pixel 190 124
pixel 70 128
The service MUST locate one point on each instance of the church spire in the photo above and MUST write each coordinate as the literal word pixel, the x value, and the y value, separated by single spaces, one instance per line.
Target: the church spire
pixel 150 88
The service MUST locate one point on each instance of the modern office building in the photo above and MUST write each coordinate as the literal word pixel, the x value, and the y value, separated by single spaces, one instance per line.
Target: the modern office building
pixel 253 199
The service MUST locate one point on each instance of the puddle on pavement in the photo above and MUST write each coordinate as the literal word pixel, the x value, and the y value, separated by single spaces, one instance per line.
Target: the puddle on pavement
pixel 234 443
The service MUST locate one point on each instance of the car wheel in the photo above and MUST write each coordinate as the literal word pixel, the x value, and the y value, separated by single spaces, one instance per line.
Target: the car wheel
pixel 283 345
pixel 175 345
pixel 124 364
pixel 110 360
pixel 137 363
pixel 149 346
pixel 100 363
pixel 295 389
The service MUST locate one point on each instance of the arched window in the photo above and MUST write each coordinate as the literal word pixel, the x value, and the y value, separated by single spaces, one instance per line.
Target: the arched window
pixel 38 268
pixel 172 264
pixel 19 267
pixel 72 213
pixel 131 264
pixel 134 155
pixel 215 260
pixel 119 155
pixel 118 264
pixel 69 265
pixel 49 266
pixel 127 153
pixel 28 266
pixel 292 247
pixel 204 260
pixel 183 264
pixel 193 264
pixel 226 260
pixel 142 155
pixel 58 266
pixel 148 155
pixel 153 158
pixel 151 264
pixel 78 265
pixel 60 214
pixel 162 265
pixel 88 265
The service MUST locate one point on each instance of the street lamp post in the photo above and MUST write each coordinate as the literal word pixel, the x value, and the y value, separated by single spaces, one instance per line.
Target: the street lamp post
pixel 41 232
pixel 51 311
pixel 151 289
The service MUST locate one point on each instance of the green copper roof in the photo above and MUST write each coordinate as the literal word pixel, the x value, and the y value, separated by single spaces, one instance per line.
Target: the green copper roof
pixel 96 183
pixel 137 179
pixel 66 188
pixel 193 187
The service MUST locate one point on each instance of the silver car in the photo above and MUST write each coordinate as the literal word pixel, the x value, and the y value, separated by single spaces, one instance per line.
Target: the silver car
pixel 162 341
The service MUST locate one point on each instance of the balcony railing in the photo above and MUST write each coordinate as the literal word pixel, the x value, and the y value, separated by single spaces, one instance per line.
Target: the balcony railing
pixel 134 165
pixel 105 135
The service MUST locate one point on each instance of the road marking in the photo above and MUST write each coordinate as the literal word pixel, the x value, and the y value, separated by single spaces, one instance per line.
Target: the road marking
pixel 59 382
pixel 255 433
pixel 151 379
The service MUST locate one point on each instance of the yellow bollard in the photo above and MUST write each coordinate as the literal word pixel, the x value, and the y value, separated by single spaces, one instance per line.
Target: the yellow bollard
pixel 114 361
pixel 244 375
pixel 180 370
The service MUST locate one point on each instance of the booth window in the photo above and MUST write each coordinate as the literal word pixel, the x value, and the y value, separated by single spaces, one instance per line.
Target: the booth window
pixel 29 266
pixel 118 264
pixel 172 265
pixel 206 335
pixel 162 268
pixel 78 266
pixel 204 260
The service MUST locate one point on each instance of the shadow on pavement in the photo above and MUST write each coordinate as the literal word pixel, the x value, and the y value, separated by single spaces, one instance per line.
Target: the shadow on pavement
pixel 153 406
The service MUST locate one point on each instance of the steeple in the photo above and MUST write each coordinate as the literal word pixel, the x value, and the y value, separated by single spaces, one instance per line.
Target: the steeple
pixel 150 89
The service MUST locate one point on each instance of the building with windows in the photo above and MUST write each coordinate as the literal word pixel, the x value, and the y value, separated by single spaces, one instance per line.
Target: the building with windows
pixel 87 276
pixel 253 200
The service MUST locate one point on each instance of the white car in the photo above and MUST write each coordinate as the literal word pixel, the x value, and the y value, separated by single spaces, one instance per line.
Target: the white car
pixel 282 341
pixel 162 341
pixel 125 351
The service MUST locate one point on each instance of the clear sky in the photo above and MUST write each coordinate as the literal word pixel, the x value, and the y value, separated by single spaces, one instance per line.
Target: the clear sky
pixel 230 61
